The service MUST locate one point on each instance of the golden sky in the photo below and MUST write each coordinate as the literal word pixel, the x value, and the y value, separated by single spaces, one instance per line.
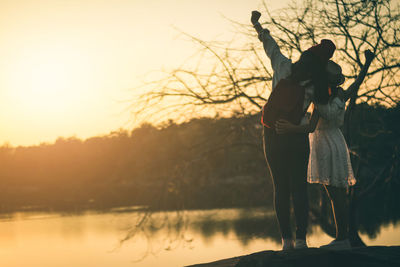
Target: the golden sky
pixel 68 66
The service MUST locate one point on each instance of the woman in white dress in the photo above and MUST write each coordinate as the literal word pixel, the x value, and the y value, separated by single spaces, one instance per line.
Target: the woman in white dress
pixel 329 161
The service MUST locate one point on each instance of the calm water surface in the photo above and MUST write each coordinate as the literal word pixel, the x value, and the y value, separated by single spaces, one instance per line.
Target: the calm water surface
pixel 168 239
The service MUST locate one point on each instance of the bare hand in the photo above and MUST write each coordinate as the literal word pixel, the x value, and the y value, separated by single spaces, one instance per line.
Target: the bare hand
pixel 369 56
pixel 283 126
pixel 255 16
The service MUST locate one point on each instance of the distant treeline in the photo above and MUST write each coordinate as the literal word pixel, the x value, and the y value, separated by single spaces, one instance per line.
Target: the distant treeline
pixel 209 162
pixel 203 163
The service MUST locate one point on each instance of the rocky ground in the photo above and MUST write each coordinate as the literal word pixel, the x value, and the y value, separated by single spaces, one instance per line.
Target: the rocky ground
pixel 378 256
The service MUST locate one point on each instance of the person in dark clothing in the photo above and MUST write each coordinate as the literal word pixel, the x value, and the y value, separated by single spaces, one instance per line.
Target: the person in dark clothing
pixel 287 154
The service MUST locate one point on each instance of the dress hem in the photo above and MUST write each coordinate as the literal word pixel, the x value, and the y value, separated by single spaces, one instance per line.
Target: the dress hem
pixel 344 185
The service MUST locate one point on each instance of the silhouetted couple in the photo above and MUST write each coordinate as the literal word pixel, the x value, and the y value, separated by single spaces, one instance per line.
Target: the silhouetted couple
pixel 292 154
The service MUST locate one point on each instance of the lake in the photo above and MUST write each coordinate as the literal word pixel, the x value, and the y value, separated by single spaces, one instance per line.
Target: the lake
pixel 167 239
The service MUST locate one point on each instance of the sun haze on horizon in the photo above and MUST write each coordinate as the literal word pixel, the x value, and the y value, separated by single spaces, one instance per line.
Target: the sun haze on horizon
pixel 68 66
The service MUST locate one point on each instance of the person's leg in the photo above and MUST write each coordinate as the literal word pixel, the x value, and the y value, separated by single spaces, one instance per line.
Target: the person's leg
pixel 338 198
pixel 282 202
pixel 274 155
pixel 299 160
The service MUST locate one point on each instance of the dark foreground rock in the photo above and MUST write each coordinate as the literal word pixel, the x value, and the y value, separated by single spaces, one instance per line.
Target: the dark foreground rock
pixel 365 257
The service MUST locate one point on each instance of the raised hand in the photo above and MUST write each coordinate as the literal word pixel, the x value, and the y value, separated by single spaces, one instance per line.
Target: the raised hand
pixel 255 16
pixel 353 88
pixel 369 56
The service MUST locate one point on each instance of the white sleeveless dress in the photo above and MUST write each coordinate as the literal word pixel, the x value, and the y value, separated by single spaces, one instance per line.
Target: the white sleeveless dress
pixel 329 161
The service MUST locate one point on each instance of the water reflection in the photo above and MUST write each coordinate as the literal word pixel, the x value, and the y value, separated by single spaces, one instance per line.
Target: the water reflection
pixel 245 225
pixel 168 239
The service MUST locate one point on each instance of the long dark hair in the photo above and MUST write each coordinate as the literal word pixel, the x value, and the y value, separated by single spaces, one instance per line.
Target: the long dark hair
pixel 310 67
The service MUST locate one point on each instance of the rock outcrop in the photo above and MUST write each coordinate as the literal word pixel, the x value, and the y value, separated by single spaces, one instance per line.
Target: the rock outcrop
pixel 378 256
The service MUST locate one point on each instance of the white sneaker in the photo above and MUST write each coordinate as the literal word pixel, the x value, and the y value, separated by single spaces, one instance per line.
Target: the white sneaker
pixel 338 245
pixel 287 244
pixel 300 244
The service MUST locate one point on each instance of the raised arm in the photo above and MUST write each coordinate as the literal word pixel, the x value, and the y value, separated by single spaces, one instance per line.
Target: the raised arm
pixel 353 88
pixel 255 16
pixel 281 65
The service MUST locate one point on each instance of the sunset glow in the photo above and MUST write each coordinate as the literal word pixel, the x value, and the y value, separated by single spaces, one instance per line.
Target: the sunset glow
pixel 180 132
pixel 51 81
pixel 68 67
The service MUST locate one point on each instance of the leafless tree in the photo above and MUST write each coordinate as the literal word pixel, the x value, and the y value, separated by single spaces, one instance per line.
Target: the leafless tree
pixel 233 77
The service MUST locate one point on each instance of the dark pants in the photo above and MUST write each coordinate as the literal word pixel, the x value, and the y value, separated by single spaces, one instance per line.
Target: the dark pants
pixel 287 157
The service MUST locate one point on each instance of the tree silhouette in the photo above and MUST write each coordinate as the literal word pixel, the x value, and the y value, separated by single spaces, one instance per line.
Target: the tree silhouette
pixel 227 78
pixel 231 77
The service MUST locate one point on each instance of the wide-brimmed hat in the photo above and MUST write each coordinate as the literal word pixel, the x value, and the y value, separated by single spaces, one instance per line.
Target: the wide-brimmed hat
pixel 335 74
